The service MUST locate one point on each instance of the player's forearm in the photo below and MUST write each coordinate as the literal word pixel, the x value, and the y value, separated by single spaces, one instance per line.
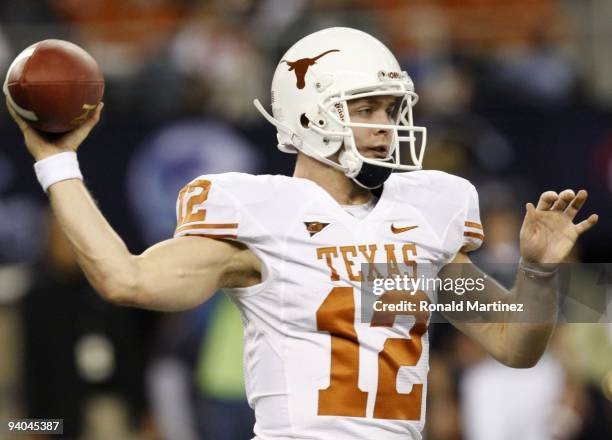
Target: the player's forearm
pixel 103 256
pixel 529 336
pixel 518 339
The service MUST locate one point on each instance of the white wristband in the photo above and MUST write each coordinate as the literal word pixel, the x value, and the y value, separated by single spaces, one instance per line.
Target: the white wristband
pixel 53 169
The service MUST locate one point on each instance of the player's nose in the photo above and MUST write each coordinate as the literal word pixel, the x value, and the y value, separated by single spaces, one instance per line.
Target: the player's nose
pixel 381 117
pixel 383 128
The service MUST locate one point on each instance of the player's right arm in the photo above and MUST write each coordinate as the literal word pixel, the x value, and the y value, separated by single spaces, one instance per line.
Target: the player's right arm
pixel 176 274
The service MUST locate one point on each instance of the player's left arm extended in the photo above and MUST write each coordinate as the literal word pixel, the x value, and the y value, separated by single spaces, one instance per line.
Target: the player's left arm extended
pixel 547 236
pixel 515 344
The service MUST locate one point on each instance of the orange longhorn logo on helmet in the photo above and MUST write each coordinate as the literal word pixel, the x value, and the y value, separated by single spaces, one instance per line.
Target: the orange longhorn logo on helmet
pixel 300 67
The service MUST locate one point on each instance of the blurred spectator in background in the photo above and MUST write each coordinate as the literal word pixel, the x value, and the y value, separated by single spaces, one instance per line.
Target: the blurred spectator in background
pixel 19 240
pixel 5 52
pixel 537 73
pixel 502 403
pixel 121 35
pixel 602 163
pixel 318 14
pixel 566 396
pixel 585 351
pixel 79 351
pixel 223 411
pixel 223 66
pixel 443 409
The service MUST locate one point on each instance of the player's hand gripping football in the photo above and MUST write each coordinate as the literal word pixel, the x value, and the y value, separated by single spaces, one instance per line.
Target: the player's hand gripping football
pixel 41 146
pixel 549 233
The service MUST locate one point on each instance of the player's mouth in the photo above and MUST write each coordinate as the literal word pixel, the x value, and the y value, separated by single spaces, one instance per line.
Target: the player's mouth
pixel 376 152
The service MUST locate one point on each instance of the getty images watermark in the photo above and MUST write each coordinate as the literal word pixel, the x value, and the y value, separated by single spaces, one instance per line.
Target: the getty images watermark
pixel 461 292
pixel 412 286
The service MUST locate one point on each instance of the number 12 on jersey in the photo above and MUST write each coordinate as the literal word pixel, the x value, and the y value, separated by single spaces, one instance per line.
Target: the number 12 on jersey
pixel 343 397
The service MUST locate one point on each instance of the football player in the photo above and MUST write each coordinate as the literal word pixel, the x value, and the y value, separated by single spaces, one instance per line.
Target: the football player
pixel 289 250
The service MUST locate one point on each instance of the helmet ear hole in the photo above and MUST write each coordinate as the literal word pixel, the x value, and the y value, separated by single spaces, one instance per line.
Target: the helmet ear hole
pixel 304 121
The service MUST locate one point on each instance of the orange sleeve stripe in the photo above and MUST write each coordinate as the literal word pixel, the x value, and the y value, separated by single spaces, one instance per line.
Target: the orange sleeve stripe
pixel 473 225
pixel 207 226
pixel 214 235
pixel 473 235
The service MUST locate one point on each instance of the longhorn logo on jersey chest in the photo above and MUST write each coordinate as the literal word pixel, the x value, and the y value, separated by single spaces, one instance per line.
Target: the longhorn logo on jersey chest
pixel 315 227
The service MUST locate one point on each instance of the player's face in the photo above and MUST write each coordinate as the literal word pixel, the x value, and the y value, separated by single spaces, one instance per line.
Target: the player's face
pixel 373 142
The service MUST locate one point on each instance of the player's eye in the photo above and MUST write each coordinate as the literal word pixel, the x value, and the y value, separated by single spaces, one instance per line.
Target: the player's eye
pixel 392 111
pixel 364 111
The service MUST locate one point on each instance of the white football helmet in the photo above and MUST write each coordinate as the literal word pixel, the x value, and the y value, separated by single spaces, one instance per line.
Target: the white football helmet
pixel 310 89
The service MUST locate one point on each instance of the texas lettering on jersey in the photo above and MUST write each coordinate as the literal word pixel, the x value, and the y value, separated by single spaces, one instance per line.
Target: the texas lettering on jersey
pixel 344 261
pixel 313 369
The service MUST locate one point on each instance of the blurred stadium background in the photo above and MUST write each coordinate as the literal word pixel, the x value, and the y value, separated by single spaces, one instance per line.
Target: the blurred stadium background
pixel 517 97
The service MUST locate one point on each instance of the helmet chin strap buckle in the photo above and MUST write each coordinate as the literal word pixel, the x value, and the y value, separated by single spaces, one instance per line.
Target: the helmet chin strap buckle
pixel 351 162
pixel 296 140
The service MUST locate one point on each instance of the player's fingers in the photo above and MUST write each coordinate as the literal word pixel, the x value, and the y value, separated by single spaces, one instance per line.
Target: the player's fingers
pixel 23 125
pixel 577 203
pixel 546 200
pixel 91 122
pixel 565 198
pixel 98 112
pixel 587 224
pixel 75 137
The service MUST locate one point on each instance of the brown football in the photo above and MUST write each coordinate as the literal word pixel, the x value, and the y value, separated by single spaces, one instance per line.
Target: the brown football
pixel 55 85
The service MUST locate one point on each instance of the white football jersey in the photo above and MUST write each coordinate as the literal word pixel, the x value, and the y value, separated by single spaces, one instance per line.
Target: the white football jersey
pixel 313 369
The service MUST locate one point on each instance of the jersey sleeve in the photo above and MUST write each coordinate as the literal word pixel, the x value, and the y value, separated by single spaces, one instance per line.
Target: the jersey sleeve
pixel 205 207
pixel 234 206
pixel 473 233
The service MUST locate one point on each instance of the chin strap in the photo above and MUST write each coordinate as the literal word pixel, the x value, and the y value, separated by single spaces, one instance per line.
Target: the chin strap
pixel 364 174
pixel 372 176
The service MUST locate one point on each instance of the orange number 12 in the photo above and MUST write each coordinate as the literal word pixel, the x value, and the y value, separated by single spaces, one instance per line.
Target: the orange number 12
pixel 343 397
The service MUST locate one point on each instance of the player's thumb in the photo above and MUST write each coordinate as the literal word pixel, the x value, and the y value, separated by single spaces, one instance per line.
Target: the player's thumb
pixel 95 117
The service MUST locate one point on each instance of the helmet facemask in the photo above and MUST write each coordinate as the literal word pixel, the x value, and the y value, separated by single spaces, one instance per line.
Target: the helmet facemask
pixel 405 136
